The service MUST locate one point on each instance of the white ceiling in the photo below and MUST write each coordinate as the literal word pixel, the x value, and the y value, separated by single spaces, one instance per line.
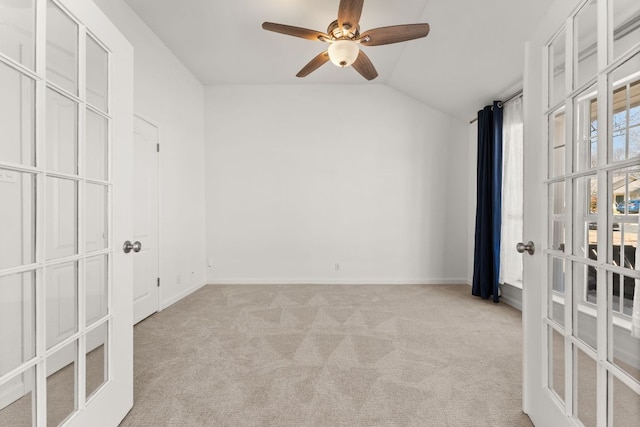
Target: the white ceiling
pixel 473 54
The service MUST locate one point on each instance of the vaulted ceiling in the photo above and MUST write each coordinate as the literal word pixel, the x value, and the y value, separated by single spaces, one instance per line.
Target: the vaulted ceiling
pixel 474 53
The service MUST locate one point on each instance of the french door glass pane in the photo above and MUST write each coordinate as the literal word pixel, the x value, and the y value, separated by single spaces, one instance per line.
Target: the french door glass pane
pixel 62 214
pixel 97 75
pixel 96 146
pixel 585 390
pixel 624 348
pixel 626 31
pixel 585 55
pixel 17 320
pixel 557 70
pixel 61 302
pixel 62 49
pixel 624 187
pixel 62 133
pixel 625 242
pixel 96 357
pixel 62 372
pixel 624 93
pixel 96 288
pixel 623 287
pixel 586 130
pixel 17 218
pixel 585 298
pixel 557 144
pixel 585 211
pixel 96 217
pixel 18 398
pixel 557 289
pixel 17 115
pixel 556 362
pixel 17 23
pixel 557 198
pixel 625 404
pixel 558 235
pixel 557 226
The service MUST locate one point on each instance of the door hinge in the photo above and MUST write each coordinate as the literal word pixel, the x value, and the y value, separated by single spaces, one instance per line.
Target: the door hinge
pixel 158 282
pixel 158 148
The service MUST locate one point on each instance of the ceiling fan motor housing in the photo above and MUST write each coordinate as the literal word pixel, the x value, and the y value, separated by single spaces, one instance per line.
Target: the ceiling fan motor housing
pixel 344 33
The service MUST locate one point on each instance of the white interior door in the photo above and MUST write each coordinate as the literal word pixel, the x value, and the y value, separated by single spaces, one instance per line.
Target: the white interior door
pixel 146 282
pixel 66 78
pixel 582 122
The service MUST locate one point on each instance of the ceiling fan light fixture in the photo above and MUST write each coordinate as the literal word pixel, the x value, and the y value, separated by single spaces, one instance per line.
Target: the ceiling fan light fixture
pixel 344 39
pixel 343 52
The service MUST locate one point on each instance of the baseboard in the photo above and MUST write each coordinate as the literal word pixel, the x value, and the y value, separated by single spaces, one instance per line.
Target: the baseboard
pixel 174 299
pixel 302 281
pixel 511 295
pixel 11 394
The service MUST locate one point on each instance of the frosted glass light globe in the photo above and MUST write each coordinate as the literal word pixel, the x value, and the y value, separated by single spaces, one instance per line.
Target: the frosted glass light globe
pixel 343 52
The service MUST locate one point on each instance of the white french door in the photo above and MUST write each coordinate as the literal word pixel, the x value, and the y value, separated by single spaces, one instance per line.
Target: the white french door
pixel 66 78
pixel 582 145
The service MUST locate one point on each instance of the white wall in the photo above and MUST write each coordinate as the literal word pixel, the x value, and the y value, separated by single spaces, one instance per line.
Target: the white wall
pixel 301 178
pixel 167 94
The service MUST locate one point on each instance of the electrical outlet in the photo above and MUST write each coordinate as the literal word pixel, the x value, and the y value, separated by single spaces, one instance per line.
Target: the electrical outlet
pixel 337 266
pixel 179 279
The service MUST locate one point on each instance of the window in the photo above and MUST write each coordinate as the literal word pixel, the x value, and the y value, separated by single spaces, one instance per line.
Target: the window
pixel 512 192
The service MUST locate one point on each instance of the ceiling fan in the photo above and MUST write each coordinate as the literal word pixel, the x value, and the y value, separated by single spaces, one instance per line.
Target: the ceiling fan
pixel 344 38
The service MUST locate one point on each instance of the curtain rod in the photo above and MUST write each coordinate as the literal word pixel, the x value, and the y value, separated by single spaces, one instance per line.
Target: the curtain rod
pixel 514 96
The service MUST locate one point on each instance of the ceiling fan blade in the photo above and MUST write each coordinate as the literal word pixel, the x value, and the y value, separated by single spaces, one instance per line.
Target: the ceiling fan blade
pixel 349 13
pixel 290 30
pixel 314 64
pixel 394 34
pixel 364 66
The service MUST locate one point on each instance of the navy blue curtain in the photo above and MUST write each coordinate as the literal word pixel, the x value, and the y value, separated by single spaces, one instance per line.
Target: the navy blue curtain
pixel 486 264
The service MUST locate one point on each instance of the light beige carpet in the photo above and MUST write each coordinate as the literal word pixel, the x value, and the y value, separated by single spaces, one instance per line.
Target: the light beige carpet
pixel 329 356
